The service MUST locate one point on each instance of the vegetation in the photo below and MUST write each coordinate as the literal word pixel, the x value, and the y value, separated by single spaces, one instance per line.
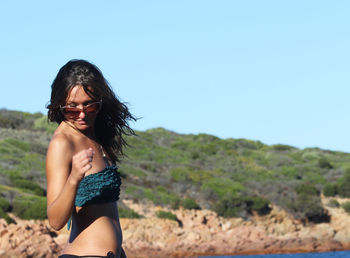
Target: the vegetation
pixel 346 206
pixel 330 190
pixel 234 177
pixel 5 207
pixel 128 213
pixel 190 204
pixel 30 207
pixel 166 215
pixel 241 206
pixel 333 203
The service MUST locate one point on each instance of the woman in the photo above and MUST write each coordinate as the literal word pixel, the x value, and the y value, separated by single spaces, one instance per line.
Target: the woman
pixel 82 180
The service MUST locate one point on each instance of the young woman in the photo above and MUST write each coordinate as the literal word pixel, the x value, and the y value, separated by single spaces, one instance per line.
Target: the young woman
pixel 83 183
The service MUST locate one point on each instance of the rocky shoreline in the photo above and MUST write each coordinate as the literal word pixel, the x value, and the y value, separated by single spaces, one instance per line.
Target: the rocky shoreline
pixel 195 233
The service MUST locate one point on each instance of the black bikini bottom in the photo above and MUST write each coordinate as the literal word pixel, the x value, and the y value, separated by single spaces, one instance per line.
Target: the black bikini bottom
pixel 109 255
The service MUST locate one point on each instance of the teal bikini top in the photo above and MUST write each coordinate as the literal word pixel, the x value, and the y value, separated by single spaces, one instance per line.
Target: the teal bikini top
pixel 100 187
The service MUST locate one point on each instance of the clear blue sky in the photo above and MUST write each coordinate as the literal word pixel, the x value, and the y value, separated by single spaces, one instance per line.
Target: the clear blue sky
pixel 274 71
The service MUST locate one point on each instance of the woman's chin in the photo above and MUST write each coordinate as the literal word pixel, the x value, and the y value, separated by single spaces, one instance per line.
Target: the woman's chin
pixel 82 126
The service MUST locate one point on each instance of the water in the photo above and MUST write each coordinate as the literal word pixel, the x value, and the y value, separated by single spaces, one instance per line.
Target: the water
pixel 338 254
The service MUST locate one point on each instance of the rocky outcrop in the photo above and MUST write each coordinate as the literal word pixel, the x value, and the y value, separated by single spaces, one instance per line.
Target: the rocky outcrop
pixel 204 233
pixel 27 239
pixel 196 232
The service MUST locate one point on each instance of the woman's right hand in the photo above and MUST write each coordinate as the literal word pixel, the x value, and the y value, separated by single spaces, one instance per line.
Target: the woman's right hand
pixel 81 163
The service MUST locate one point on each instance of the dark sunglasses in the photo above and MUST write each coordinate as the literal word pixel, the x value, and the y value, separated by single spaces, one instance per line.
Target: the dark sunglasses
pixel 74 112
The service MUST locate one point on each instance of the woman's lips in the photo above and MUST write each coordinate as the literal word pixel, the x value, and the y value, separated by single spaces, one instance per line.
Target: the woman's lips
pixel 81 122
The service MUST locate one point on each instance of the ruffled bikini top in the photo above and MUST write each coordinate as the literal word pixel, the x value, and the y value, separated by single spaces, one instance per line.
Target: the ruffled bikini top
pixel 100 187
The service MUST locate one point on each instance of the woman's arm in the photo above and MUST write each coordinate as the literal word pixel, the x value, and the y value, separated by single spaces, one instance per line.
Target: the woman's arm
pixel 64 172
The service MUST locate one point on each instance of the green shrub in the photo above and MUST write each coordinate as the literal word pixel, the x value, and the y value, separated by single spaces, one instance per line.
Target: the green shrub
pixel 128 213
pixel 236 206
pixel 16 119
pixel 282 147
pixel 333 203
pixel 161 196
pixel 30 207
pixel 289 172
pixel 4 204
pixel 306 189
pixel 330 190
pixel 324 163
pixel 227 208
pixel 189 204
pixel 158 195
pixel 259 205
pixel 6 217
pixel 346 206
pixel 308 208
pixel 43 123
pixel 307 204
pixel 314 177
pixel 179 174
pixel 129 170
pixel 247 144
pixel 343 189
pixel 13 146
pixel 208 149
pixel 199 176
pixel 310 154
pixel 222 186
pixel 23 146
pixel 166 215
pixel 28 185
pixel 343 186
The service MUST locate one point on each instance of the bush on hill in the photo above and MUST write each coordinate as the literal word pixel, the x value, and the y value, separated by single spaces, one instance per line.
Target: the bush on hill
pixel 343 185
pixel 333 203
pixel 346 206
pixel 42 123
pixel 324 163
pixel 6 217
pixel 330 190
pixel 128 213
pixel 166 215
pixel 189 203
pixel 241 206
pixel 307 204
pixel 30 207
pixel 4 204
pixel 17 120
pixel 282 147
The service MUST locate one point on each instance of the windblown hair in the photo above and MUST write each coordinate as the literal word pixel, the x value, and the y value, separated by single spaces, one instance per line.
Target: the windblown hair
pixel 111 124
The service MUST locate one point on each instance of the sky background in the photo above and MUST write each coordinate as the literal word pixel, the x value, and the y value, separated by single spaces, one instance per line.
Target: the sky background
pixel 274 71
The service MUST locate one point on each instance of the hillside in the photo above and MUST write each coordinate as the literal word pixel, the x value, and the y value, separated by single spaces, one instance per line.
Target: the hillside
pixel 233 177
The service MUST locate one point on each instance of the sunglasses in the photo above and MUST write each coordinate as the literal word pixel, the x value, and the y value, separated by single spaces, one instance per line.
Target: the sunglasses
pixel 74 112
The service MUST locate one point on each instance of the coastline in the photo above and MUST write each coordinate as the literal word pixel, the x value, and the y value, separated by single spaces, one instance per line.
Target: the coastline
pixel 195 233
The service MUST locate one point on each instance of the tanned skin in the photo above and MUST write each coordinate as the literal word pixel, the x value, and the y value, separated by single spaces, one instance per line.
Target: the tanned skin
pixel 72 154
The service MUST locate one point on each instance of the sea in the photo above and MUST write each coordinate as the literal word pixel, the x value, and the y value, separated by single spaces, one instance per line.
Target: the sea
pixel 338 254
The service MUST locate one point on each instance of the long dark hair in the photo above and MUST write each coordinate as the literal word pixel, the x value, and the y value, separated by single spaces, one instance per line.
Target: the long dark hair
pixel 111 124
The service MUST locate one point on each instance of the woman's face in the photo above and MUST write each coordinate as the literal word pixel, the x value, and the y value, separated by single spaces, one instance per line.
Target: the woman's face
pixel 81 110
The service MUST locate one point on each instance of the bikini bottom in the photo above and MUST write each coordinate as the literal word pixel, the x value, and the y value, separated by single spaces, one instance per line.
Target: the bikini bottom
pixel 109 255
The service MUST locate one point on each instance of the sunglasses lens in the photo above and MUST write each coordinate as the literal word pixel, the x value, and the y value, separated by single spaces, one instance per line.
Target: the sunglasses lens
pixel 92 108
pixel 74 112
pixel 71 111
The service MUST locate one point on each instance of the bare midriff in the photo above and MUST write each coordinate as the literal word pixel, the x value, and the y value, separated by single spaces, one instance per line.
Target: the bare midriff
pixel 95 230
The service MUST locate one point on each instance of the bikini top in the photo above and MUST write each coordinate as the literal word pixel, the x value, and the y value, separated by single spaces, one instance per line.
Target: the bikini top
pixel 100 187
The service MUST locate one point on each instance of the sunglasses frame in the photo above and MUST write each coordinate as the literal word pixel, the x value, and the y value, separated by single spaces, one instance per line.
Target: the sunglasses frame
pixel 62 108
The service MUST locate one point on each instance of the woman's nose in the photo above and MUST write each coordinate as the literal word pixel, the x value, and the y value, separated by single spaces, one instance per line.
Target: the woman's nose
pixel 82 114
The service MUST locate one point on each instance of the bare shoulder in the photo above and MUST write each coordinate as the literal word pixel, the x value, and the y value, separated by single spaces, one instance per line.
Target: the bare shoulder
pixel 60 141
pixel 60 144
pixel 58 164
